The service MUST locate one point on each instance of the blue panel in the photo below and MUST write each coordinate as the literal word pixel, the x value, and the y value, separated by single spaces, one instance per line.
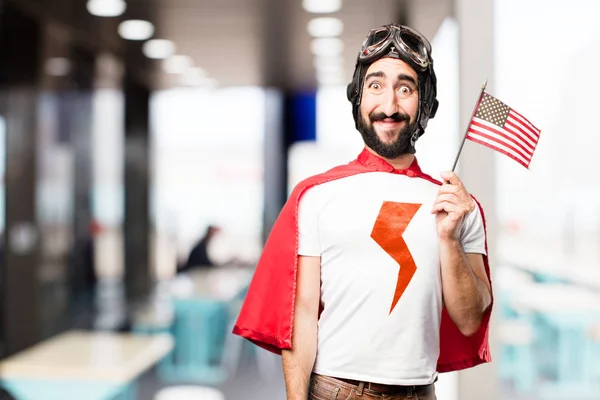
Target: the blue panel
pixel 302 123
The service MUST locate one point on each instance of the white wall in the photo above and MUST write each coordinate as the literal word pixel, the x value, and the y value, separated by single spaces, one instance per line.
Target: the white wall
pixel 207 153
pixel 547 56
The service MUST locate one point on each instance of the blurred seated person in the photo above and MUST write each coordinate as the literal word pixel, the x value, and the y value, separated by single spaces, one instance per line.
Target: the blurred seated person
pixel 199 257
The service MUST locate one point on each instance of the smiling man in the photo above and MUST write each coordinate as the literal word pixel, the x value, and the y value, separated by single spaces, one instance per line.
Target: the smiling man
pixel 375 277
pixel 386 115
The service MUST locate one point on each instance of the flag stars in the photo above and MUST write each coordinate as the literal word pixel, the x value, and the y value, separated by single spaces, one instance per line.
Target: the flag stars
pixel 492 110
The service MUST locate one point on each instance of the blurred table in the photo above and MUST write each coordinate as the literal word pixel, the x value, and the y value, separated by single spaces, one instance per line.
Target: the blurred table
pixel 550 258
pixel 572 312
pixel 82 365
pixel 556 299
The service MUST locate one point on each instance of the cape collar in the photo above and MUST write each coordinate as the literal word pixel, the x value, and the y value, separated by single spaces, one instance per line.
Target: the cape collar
pixel 377 163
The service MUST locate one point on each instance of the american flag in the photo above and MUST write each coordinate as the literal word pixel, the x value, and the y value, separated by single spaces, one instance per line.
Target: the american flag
pixel 501 128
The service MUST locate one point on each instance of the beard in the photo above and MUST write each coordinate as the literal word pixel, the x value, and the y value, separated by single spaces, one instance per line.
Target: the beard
pixel 398 147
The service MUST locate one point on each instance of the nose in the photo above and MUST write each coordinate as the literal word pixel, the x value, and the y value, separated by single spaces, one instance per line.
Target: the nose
pixel 390 103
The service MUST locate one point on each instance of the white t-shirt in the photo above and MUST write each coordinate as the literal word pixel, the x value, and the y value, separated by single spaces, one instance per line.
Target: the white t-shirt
pixel 363 333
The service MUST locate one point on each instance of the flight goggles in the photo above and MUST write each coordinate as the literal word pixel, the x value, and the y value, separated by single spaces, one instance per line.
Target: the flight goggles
pixel 406 40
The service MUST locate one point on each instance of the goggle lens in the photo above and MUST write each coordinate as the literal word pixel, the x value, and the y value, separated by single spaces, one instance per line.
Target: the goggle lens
pixel 415 45
pixel 410 42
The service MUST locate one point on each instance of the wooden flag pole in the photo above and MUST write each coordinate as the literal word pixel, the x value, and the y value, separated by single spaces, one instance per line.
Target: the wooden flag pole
pixel 469 124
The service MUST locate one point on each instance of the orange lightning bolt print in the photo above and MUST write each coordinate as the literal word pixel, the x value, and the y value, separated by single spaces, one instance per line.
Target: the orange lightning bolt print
pixel 387 232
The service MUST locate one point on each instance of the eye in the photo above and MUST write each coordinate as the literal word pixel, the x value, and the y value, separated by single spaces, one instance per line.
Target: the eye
pixel 406 90
pixel 375 85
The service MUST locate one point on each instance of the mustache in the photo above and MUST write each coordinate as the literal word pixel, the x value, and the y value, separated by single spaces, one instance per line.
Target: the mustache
pixel 396 117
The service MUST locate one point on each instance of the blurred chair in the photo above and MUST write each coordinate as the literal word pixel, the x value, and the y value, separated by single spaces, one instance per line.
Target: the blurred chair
pixel 189 393
pixel 516 331
pixel 203 314
pixel 200 329
pixel 200 326
pixel 236 347
pixel 517 337
pixel 593 357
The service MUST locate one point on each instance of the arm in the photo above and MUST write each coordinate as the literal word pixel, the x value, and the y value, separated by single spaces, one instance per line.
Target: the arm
pixel 465 286
pixel 298 362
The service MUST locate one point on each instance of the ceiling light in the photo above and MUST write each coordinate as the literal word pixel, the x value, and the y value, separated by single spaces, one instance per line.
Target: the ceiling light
pixel 211 83
pixel 57 66
pixel 322 6
pixel 327 47
pixel 158 48
pixel 177 64
pixel 106 8
pixel 328 63
pixel 329 76
pixel 330 69
pixel 193 76
pixel 191 79
pixel 330 81
pixel 136 29
pixel 325 27
pixel 207 83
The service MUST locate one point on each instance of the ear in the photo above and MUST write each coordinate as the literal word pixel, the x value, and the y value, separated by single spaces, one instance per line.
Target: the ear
pixel 351 92
pixel 434 108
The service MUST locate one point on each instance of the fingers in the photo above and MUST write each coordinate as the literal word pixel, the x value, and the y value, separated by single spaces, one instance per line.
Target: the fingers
pixel 454 211
pixel 456 187
pixel 452 189
pixel 449 197
pixel 451 177
pixel 452 202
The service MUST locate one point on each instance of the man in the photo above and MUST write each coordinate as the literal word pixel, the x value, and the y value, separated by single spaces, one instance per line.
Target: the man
pixel 375 276
pixel 198 256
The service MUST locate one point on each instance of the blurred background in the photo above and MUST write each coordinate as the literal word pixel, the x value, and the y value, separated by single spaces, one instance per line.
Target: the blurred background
pixel 147 146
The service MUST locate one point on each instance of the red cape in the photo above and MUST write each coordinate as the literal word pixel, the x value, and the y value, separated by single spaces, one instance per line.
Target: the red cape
pixel 267 315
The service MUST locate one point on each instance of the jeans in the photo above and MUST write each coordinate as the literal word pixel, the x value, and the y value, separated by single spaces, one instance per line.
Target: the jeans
pixel 329 388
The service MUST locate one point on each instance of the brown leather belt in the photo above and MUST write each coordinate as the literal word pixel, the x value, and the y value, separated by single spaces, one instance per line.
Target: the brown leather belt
pixel 387 389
